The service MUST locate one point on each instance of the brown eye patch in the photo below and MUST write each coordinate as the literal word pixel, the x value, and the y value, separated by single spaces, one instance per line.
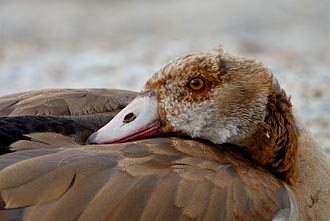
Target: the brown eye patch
pixel 196 84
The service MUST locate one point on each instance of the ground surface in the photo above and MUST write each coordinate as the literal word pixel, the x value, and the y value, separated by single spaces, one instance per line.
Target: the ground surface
pixel 119 44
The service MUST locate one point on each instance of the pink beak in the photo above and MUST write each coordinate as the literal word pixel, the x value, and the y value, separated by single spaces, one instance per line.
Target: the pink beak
pixel 138 119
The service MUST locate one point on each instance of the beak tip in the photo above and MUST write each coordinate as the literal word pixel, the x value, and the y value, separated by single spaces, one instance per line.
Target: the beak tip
pixel 92 139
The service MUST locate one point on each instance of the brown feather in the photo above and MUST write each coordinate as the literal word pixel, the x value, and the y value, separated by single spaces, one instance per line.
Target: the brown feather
pixel 81 183
pixel 64 102
pixel 275 143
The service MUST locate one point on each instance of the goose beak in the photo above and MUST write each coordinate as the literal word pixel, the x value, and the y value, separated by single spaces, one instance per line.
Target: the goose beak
pixel 138 119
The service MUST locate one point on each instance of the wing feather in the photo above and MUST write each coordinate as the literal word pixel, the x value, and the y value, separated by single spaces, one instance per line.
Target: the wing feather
pixel 131 181
pixel 65 102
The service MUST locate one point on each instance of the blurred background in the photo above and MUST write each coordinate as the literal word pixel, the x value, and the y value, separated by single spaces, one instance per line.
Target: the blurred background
pixel 120 43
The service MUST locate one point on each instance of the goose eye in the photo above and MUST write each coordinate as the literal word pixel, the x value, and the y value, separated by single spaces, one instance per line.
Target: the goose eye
pixel 196 84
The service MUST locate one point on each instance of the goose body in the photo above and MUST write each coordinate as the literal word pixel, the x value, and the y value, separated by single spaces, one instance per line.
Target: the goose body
pixel 249 159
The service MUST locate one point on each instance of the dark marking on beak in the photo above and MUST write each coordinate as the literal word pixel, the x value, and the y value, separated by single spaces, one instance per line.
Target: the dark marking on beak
pixel 92 139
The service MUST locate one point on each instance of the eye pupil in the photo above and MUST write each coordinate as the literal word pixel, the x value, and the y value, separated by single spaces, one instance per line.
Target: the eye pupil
pixel 196 84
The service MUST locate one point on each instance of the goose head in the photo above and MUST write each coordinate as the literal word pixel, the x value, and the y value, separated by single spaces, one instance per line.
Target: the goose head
pixel 215 96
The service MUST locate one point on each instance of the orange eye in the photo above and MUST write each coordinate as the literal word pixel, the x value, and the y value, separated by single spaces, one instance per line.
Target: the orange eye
pixel 196 84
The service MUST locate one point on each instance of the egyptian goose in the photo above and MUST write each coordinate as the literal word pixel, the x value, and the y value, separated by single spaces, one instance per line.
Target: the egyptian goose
pixel 250 158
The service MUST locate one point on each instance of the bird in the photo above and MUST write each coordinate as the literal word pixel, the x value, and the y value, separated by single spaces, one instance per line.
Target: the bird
pixel 212 136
